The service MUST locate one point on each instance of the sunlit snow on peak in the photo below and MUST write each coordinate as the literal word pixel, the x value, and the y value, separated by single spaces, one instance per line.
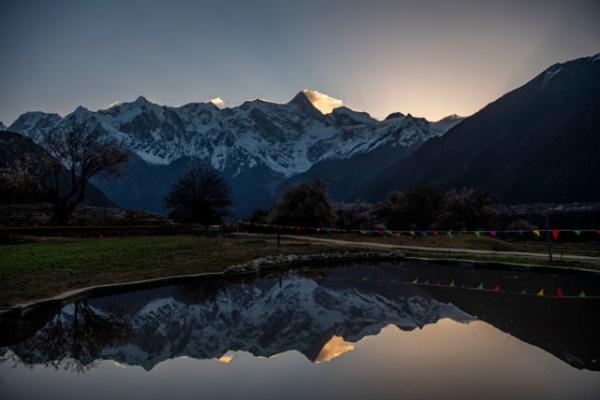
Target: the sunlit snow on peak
pixel 114 104
pixel 217 101
pixel 323 102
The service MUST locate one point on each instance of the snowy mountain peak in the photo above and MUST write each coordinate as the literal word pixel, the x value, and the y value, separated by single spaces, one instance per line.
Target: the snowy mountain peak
pixel 321 101
pixel 395 115
pixel 141 100
pixel 450 118
pixel 2 126
pixel 286 139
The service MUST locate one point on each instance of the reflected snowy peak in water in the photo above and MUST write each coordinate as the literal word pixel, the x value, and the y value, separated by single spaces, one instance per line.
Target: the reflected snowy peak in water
pixel 320 313
pixel 264 318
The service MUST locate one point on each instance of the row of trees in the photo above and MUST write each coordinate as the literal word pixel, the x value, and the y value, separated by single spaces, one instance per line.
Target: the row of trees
pixel 307 204
pixel 60 174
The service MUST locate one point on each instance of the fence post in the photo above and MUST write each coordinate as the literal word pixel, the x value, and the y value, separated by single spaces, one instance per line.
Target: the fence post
pixel 549 240
pixel 278 235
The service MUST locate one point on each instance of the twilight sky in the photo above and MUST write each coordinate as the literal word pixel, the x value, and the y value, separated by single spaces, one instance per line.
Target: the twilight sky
pixel 429 58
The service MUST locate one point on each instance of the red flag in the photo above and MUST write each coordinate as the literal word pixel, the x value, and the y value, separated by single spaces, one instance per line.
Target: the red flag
pixel 436 232
pixel 298 229
pixel 493 233
pixel 555 234
pixel 559 292
pixel 497 288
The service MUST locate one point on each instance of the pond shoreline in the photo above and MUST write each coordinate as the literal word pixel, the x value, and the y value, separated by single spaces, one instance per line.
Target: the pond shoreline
pixel 273 263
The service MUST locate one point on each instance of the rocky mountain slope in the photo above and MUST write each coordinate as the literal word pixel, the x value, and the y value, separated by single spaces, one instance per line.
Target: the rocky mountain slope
pixel 540 142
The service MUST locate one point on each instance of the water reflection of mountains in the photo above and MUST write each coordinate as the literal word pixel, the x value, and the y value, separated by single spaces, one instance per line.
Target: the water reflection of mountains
pixel 299 312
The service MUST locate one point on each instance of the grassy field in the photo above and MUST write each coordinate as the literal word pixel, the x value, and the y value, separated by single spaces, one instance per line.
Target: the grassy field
pixel 48 267
pixel 38 270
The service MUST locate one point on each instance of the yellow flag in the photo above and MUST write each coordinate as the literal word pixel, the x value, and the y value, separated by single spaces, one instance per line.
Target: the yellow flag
pixel 416 280
pixel 541 292
pixel 536 233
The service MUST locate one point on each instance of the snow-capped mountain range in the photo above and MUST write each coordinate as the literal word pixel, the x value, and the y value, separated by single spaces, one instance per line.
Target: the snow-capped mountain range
pixel 257 146
pixel 287 138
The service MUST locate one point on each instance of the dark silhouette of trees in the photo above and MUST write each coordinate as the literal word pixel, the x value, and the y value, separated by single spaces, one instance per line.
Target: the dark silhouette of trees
pixel 468 208
pixel 305 204
pixel 201 196
pixel 416 208
pixel 353 215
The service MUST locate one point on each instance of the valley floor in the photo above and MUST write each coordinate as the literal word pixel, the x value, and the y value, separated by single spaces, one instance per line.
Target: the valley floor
pixel 51 266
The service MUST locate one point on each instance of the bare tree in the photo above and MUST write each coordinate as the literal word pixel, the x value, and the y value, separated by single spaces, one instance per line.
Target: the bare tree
pixel 73 157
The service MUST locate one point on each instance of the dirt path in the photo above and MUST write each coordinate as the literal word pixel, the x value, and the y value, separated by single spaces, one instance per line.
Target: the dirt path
pixel 447 250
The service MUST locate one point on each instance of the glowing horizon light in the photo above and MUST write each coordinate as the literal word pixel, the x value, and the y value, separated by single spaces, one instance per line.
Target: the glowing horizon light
pixel 217 101
pixel 322 101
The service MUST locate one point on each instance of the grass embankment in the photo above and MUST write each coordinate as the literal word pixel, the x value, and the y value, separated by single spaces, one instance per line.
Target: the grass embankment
pixel 32 271
pixel 38 270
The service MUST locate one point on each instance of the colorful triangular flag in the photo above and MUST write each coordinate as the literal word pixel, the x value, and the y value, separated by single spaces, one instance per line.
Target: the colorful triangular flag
pixel 477 233
pixel 416 280
pixel 536 232
pixel 451 284
pixel 559 292
pixel 581 295
pixel 577 232
pixel 493 233
pixel 497 288
pixel 541 292
pixel 555 233
pixel 480 286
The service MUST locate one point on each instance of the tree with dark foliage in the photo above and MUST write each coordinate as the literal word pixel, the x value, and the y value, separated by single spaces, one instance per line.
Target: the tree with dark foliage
pixel 305 204
pixel 468 208
pixel 416 208
pixel 201 196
